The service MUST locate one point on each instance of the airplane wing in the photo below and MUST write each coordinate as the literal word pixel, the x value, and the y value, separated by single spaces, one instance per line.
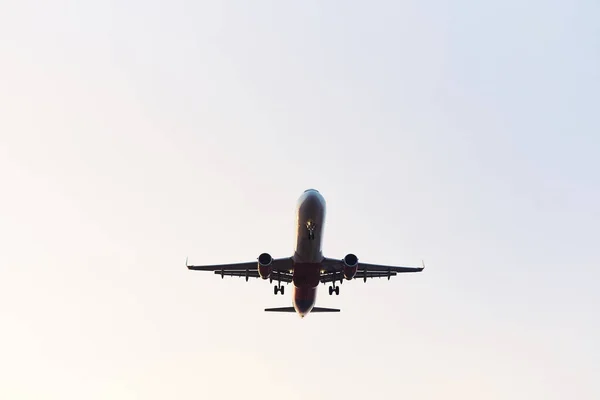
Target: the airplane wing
pixel 285 277
pixel 333 270
pixel 337 276
pixel 281 269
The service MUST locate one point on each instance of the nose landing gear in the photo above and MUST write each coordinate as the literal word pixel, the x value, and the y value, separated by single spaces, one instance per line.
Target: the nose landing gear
pixel 311 230
pixel 278 289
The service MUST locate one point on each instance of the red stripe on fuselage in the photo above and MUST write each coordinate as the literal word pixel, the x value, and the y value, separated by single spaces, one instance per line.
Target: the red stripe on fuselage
pixel 306 279
pixel 307 274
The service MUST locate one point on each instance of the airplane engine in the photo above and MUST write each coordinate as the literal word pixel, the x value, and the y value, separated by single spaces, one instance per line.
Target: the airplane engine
pixel 265 268
pixel 350 266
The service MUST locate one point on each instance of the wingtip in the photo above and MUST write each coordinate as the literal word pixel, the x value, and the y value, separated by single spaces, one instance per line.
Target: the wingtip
pixel 423 264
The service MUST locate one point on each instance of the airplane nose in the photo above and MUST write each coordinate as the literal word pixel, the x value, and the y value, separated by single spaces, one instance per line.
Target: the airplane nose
pixel 311 199
pixel 314 199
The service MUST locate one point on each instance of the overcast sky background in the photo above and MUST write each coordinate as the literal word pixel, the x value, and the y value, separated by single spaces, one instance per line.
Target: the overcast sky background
pixel 134 134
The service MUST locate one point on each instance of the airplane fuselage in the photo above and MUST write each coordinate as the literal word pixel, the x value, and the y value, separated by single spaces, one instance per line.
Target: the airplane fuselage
pixel 310 217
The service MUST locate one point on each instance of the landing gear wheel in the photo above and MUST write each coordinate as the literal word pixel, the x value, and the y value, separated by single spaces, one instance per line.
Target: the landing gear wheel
pixel 330 290
pixel 275 290
pixel 337 290
pixel 282 289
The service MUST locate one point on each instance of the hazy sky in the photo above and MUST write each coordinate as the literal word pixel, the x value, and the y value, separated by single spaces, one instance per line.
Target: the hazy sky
pixel 134 134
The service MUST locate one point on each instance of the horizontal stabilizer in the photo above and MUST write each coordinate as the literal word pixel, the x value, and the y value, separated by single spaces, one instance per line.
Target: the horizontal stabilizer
pixel 293 310
pixel 322 309
pixel 281 309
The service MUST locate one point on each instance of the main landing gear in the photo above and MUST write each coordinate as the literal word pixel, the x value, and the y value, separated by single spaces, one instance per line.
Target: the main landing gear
pixel 334 289
pixel 279 287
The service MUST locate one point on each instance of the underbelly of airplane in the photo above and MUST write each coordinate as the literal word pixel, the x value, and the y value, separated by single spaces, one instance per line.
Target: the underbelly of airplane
pixel 306 279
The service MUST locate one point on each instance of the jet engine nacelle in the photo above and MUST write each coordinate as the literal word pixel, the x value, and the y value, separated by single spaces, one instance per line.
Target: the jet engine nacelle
pixel 265 267
pixel 350 266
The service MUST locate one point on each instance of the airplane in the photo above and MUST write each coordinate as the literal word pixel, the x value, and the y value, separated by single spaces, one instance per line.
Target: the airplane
pixel 307 267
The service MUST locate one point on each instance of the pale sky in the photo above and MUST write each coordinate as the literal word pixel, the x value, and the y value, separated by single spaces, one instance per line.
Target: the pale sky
pixel 134 134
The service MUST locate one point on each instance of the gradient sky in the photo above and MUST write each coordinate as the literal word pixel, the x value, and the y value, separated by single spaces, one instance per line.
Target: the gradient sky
pixel 134 134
